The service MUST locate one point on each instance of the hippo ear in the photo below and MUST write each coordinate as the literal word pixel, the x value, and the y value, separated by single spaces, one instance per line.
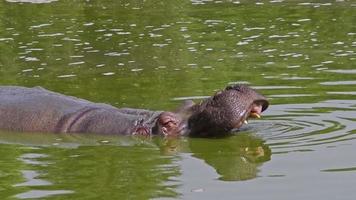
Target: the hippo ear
pixel 168 124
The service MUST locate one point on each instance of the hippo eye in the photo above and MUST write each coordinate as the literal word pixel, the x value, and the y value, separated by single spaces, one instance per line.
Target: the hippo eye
pixel 229 87
pixel 218 92
pixel 169 123
pixel 217 95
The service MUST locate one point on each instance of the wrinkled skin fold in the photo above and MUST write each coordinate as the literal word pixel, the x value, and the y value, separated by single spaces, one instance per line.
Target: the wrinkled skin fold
pixel 39 110
pixel 225 111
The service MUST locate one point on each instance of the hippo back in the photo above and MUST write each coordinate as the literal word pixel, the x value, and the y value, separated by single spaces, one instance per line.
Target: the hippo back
pixel 35 109
pixel 39 110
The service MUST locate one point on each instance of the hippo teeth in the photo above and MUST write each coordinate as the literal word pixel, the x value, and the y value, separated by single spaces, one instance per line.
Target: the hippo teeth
pixel 245 122
pixel 255 115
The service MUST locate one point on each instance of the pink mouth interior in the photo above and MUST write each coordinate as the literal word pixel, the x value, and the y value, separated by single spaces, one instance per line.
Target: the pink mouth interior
pixel 256 108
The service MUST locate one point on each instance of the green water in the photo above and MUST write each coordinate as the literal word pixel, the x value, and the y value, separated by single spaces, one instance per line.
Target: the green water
pixel 154 54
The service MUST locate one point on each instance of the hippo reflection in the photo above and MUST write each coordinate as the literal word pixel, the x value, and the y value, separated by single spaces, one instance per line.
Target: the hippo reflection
pixel 234 158
pixel 39 110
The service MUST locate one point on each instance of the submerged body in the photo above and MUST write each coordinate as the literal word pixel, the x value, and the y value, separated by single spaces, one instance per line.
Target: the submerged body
pixel 39 110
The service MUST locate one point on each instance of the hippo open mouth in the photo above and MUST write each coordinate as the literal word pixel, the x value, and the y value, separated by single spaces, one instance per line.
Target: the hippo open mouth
pixel 256 110
pixel 226 111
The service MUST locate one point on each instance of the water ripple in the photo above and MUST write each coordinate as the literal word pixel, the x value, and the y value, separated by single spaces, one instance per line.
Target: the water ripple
pixel 32 178
pixel 32 194
pixel 305 126
pixel 31 1
pixel 338 83
pixel 343 71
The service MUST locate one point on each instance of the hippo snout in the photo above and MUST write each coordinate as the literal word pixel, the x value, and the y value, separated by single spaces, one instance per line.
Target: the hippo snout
pixel 227 110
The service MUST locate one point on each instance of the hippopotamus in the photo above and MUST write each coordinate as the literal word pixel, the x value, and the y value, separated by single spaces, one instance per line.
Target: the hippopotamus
pixel 36 109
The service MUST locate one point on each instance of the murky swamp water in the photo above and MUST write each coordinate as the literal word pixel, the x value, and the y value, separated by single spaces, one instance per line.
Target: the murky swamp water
pixel 154 54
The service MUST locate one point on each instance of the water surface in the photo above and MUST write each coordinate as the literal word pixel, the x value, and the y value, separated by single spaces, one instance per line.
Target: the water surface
pixel 155 54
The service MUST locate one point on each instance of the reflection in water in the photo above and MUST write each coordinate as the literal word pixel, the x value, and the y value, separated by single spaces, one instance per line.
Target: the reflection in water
pixel 34 194
pixel 351 169
pixel 91 166
pixel 10 170
pixel 31 1
pixel 234 158
pixel 113 172
pixel 32 180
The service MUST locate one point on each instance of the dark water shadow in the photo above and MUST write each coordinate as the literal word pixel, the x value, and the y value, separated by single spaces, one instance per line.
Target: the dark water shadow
pixel 234 158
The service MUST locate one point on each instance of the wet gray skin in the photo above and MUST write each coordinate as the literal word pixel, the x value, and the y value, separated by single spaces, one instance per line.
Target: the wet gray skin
pixel 39 110
pixel 227 110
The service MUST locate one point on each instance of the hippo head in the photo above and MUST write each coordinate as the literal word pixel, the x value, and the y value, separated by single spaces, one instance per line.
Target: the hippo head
pixel 226 110
pixel 218 115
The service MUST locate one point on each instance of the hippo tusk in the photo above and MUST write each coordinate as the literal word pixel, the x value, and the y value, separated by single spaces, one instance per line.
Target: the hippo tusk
pixel 255 115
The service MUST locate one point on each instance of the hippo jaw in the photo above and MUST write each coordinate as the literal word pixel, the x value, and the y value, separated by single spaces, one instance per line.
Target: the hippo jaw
pixel 226 111
pixel 254 111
